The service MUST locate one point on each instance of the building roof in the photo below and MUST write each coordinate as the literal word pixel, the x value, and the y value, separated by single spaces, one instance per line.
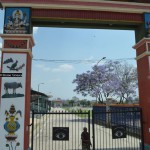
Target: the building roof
pixel 33 92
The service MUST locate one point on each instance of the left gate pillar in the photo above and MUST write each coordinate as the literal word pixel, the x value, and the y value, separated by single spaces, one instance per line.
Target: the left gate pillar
pixel 15 91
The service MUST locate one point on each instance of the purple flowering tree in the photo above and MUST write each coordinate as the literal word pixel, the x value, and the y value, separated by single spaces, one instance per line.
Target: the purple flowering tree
pixel 113 79
pixel 127 80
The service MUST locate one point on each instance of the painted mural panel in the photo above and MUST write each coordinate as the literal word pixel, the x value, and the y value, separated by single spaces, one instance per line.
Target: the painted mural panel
pixel 147 24
pixel 17 21
pixel 20 44
pixel 12 111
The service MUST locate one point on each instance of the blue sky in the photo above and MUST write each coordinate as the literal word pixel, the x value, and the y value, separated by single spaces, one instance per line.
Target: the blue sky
pixel 73 44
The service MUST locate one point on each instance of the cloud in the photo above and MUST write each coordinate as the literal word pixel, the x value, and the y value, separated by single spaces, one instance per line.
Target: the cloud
pixel 35 30
pixel 57 80
pixel 88 60
pixel 43 67
pixel 46 69
pixel 63 68
pixel 39 66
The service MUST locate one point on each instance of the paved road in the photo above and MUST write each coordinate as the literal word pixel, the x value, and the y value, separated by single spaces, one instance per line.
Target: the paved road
pixel 43 139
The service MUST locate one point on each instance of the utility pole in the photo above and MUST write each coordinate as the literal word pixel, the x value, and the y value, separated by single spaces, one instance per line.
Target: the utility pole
pixel 39 97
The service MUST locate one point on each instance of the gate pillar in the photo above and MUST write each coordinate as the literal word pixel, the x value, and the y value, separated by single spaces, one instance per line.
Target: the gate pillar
pixel 15 91
pixel 143 68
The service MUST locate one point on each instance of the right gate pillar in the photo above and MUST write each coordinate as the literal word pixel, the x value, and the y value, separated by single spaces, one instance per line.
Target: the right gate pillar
pixel 143 69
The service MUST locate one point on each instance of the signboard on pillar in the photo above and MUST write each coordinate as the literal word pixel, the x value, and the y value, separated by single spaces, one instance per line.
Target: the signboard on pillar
pixel 13 102
pixel 17 20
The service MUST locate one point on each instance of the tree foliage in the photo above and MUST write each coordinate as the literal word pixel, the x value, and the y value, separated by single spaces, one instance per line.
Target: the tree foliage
pixel 112 79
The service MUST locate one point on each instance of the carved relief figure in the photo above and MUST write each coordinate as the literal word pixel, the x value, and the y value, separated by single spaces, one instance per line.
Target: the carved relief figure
pixel 12 86
pixel 14 65
pixel 9 60
pixel 17 21
pixel 11 126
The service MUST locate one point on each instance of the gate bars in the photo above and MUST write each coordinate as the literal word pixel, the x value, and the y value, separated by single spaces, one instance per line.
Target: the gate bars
pixel 111 130
pixel 115 130
pixel 50 130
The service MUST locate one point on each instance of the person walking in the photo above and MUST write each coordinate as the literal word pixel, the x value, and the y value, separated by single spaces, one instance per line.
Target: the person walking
pixel 85 137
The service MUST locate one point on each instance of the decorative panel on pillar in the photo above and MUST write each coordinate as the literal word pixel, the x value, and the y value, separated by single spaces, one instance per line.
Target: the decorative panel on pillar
pixel 15 92
pixel 13 101
pixel 17 20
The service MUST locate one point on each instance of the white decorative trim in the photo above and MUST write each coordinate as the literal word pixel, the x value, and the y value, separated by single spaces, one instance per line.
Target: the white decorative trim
pixel 147 46
pixel 144 40
pixel 28 40
pixel 142 55
pixel 18 50
pixel 18 37
pixel 122 8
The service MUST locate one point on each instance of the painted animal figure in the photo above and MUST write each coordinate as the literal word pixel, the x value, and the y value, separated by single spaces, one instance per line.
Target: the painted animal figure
pixel 14 65
pixel 11 85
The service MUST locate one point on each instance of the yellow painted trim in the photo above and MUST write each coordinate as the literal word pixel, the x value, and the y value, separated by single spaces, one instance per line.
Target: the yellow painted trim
pixel 58 18
pixel 113 2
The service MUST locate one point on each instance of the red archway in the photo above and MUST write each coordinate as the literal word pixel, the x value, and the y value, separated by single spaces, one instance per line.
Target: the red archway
pixel 85 14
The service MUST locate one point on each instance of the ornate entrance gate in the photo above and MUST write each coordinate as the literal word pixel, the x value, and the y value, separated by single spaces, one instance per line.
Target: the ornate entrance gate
pixel 108 130
pixel 21 16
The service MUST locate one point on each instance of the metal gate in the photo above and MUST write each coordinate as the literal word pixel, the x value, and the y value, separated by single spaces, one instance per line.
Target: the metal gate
pixel 117 130
pixel 59 130
pixel 109 130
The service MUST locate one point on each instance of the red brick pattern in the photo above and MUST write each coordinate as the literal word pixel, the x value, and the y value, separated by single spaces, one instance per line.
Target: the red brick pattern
pixel 20 44
pixel 83 14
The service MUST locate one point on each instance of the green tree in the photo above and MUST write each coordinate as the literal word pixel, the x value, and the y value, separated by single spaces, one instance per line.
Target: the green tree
pixel 71 103
pixel 83 102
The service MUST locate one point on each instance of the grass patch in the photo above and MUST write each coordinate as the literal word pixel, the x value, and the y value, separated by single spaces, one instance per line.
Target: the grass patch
pixel 80 111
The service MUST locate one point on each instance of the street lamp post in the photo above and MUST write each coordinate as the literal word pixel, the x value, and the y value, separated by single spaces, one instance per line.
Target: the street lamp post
pixel 100 60
pixel 96 72
pixel 39 96
pixel 48 104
